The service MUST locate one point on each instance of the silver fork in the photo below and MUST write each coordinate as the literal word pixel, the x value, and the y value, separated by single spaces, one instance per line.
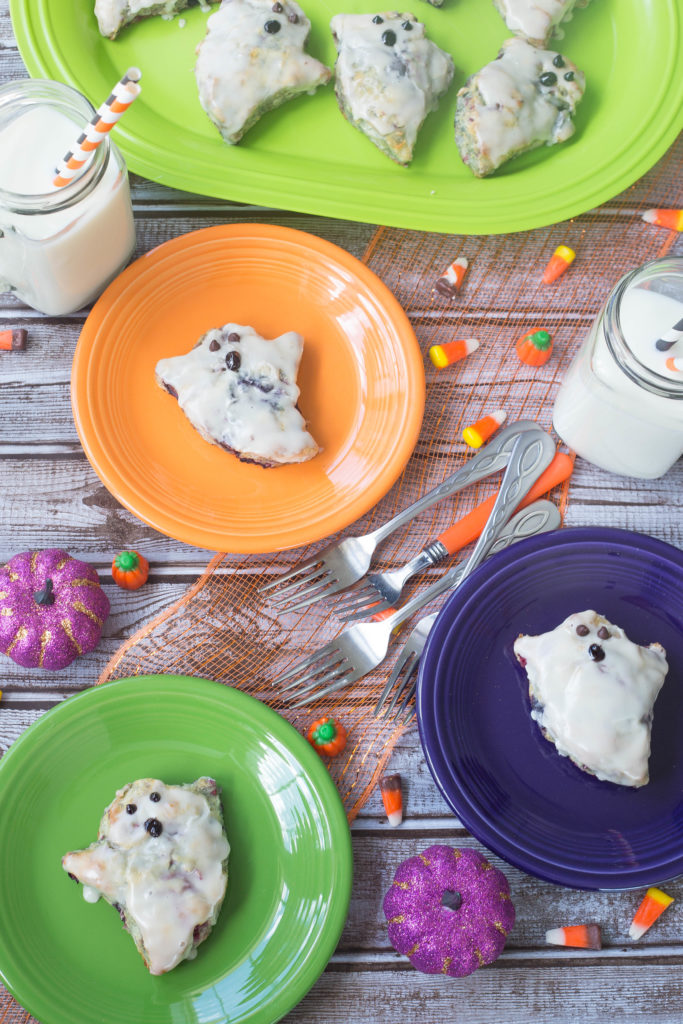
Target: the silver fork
pixel 540 517
pixel 362 647
pixel 343 563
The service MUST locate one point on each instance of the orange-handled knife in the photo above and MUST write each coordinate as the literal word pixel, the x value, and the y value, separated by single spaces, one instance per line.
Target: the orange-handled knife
pixel 467 529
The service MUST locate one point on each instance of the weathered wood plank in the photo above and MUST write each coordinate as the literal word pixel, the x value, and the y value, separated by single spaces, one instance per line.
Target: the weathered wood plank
pixel 502 994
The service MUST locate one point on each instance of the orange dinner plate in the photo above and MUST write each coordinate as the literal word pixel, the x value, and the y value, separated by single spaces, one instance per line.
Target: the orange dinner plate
pixel 361 379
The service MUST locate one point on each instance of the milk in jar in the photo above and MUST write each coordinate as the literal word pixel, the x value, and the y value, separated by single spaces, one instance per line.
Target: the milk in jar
pixel 620 405
pixel 59 247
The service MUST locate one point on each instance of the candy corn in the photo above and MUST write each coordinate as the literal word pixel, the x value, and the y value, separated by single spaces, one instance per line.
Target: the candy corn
pixel 392 798
pixel 449 282
pixel 479 432
pixel 672 219
pixel 13 339
pixel 452 351
pixel 654 904
pixel 674 363
pixel 558 263
pixel 580 936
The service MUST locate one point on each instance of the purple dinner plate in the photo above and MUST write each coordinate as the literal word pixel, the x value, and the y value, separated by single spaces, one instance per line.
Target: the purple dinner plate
pixel 508 784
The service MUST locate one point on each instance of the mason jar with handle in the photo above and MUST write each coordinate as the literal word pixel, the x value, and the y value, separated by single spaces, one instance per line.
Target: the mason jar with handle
pixel 621 403
pixel 59 247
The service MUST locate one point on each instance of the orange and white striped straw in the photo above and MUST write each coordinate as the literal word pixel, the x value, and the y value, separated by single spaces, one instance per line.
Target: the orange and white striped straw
pixel 122 95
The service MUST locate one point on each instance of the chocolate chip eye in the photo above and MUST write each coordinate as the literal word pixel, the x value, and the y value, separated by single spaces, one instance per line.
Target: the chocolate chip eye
pixel 155 797
pixel 558 60
pixel 214 345
pixel 233 336
pixel 582 630
pixel 277 8
pixel 233 360
pixel 131 808
pixel 272 27
pixel 154 827
pixel 377 20
pixel 569 77
pixel 407 25
pixel 548 78
pixel 604 633
pixel 388 37
pixel 293 17
pixel 596 652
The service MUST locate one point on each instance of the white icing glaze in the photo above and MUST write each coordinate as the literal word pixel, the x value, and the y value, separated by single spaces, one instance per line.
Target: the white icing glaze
pixel 113 14
pixel 535 19
pixel 515 112
pixel 167 885
pixel 392 88
pixel 251 409
pixel 598 713
pixel 241 68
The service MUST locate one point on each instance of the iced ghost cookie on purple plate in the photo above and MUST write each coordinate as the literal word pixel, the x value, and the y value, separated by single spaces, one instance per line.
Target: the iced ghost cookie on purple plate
pixel 592 694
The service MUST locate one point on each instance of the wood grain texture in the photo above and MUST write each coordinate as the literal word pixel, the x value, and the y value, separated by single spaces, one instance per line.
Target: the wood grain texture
pixel 49 495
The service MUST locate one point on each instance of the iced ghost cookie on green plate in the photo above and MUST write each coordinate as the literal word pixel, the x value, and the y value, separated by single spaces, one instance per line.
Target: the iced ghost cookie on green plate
pixel 523 99
pixel 389 77
pixel 252 60
pixel 112 15
pixel 536 20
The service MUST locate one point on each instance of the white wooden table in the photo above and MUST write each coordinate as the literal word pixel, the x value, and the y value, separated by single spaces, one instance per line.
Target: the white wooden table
pixel 49 496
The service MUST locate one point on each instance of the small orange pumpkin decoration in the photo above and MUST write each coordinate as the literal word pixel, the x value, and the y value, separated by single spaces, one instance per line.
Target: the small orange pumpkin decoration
pixel 130 570
pixel 535 347
pixel 327 736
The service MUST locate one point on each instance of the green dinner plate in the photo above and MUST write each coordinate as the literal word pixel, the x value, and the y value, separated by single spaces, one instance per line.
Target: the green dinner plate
pixel 304 156
pixel 289 873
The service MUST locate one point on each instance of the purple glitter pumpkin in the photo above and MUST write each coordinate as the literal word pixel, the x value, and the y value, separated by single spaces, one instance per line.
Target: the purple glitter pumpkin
pixel 449 911
pixel 52 608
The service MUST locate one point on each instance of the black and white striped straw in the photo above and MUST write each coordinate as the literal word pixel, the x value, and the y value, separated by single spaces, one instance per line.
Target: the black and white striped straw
pixel 664 343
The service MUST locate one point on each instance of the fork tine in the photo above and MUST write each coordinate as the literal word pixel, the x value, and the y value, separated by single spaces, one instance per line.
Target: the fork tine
pixel 358 600
pixel 343 668
pixel 327 664
pixel 368 609
pixel 360 593
pixel 293 589
pixel 391 680
pixel 320 655
pixel 404 709
pixel 409 664
pixel 333 588
pixel 283 577
pixel 339 685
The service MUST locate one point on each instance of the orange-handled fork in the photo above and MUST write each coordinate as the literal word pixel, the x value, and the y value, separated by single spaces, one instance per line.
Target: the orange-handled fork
pixel 380 591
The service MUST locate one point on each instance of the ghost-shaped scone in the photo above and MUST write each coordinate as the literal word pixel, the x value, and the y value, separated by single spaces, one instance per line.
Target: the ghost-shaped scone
pixel 523 99
pixel 239 391
pixel 252 60
pixel 536 20
pixel 112 15
pixel 160 859
pixel 592 694
pixel 388 77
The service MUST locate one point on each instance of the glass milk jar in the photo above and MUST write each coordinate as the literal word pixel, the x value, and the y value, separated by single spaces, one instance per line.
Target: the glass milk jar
pixel 59 247
pixel 621 403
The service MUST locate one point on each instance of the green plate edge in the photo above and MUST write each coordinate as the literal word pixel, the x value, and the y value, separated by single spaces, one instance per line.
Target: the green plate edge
pixel 281 730
pixel 601 161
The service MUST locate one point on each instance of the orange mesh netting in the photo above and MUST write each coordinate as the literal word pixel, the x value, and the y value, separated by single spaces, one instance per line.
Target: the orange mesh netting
pixel 224 630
